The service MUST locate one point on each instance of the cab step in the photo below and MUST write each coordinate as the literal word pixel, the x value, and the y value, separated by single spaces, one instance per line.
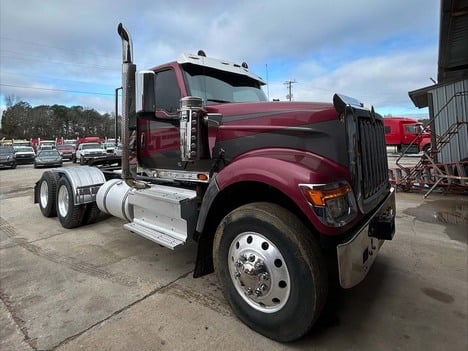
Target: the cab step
pixel 164 214
pixel 153 233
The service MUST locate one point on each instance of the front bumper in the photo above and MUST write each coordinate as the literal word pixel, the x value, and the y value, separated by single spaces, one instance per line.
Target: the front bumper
pixel 93 157
pixel 67 156
pixel 48 164
pixel 7 163
pixel 24 160
pixel 356 256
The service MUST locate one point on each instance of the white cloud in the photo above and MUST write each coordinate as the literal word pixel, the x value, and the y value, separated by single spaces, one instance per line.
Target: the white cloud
pixel 375 50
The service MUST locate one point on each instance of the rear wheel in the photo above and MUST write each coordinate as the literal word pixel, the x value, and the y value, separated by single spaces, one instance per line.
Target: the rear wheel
pixel 69 214
pixel 91 213
pixel 47 193
pixel 272 271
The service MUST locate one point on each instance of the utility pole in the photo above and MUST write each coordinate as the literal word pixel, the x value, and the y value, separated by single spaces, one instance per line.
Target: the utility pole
pixel 289 84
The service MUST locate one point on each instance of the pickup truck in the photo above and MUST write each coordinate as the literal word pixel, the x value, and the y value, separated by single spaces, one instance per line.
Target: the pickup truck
pixel 89 151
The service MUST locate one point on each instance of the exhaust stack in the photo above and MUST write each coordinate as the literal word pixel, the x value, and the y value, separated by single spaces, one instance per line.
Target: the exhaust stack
pixel 128 110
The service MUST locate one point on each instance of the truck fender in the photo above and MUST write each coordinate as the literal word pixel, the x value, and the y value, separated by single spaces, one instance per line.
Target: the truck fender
pixel 425 144
pixel 85 182
pixel 281 169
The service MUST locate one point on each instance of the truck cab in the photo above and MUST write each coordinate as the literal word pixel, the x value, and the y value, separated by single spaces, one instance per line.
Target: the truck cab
pixel 405 133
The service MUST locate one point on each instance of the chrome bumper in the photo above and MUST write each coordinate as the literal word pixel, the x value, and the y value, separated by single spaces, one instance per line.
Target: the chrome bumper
pixel 356 256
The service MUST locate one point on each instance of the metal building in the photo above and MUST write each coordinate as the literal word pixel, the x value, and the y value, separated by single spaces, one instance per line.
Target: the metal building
pixel 448 99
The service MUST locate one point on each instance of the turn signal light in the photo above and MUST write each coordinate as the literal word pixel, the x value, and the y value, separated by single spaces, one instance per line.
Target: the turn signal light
pixel 319 197
pixel 202 177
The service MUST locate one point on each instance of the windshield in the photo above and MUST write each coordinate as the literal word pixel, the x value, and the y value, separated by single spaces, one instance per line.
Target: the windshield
pixel 91 146
pixel 216 86
pixel 64 147
pixel 24 149
pixel 48 153
pixel 5 151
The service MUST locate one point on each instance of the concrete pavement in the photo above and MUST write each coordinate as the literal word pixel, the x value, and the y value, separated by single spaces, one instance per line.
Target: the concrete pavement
pixel 100 287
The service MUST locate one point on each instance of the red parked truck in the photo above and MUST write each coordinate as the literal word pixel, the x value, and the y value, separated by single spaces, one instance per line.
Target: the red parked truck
pixel 405 132
pixel 272 192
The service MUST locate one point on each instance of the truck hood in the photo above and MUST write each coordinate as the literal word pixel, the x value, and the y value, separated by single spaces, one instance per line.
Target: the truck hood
pixel 281 114
pixel 25 153
pixel 305 126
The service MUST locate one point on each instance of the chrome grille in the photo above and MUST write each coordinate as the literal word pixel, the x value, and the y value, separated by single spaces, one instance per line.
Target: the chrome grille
pixel 374 166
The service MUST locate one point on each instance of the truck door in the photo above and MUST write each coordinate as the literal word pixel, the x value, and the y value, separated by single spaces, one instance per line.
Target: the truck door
pixel 158 137
pixel 411 131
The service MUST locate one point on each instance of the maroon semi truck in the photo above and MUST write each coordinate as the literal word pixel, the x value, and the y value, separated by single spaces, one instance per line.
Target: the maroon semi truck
pixel 281 197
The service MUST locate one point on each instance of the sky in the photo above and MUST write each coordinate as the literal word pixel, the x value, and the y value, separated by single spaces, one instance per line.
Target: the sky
pixel 69 52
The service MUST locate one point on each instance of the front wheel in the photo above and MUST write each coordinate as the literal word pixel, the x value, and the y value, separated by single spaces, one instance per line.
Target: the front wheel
pixel 69 214
pixel 271 270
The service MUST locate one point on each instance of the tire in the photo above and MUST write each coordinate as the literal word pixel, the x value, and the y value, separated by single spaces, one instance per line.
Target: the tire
pixel 13 166
pixel 73 159
pixel 272 271
pixel 82 160
pixel 47 193
pixel 69 214
pixel 91 213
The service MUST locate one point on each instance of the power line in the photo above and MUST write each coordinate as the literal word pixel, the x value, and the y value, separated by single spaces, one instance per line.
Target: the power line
pixel 43 45
pixel 43 77
pixel 62 90
pixel 289 84
pixel 35 58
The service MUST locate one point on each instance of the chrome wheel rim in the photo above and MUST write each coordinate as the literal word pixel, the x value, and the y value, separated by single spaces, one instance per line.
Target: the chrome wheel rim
pixel 44 194
pixel 63 201
pixel 259 272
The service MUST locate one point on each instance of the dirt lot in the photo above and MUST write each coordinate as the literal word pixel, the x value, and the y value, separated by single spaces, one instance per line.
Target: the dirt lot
pixel 100 287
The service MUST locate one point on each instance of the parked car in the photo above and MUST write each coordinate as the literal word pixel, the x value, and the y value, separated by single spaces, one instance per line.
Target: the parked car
pixel 118 150
pixel 48 158
pixel 7 157
pixel 24 155
pixel 109 147
pixel 66 150
pixel 89 151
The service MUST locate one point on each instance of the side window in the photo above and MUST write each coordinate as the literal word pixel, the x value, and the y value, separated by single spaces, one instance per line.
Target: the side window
pixel 387 129
pixel 412 129
pixel 167 92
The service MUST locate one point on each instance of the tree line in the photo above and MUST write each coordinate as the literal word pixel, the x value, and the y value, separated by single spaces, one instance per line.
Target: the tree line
pixel 22 121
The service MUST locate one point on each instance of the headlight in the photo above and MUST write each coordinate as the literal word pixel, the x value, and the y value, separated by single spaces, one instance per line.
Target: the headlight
pixel 334 204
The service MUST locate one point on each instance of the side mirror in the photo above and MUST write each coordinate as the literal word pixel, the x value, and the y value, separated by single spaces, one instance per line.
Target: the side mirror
pixel 145 92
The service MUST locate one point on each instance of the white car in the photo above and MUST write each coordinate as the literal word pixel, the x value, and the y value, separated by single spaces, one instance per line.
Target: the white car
pixel 89 151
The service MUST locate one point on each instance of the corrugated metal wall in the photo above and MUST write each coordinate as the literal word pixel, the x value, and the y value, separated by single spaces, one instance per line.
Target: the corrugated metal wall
pixel 455 111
